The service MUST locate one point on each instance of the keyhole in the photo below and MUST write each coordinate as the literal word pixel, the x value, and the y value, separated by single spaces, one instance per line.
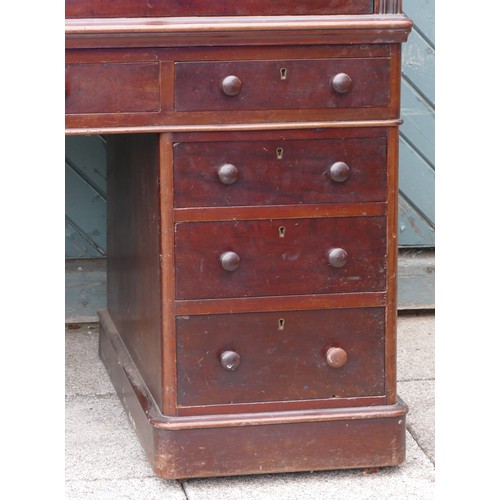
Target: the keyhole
pixel 279 153
pixel 283 73
pixel 281 231
pixel 281 324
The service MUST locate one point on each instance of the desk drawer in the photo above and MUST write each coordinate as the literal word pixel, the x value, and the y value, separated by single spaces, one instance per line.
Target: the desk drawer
pixel 282 84
pixel 280 356
pixel 112 88
pixel 280 257
pixel 280 172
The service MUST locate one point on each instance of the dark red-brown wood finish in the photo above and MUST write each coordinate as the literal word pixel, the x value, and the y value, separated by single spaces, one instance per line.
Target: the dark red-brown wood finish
pixel 282 84
pixel 160 8
pixel 282 171
pixel 164 104
pixel 133 246
pixel 252 222
pixel 279 356
pixel 249 443
pixel 279 257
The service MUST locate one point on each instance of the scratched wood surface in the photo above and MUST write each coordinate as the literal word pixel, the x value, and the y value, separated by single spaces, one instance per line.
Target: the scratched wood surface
pixel 144 8
pixel 266 342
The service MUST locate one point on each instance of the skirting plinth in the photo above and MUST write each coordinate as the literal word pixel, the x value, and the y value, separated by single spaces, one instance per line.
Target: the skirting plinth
pixel 251 443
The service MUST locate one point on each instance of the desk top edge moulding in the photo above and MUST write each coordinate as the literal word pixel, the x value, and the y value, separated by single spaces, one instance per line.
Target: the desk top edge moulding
pixel 252 182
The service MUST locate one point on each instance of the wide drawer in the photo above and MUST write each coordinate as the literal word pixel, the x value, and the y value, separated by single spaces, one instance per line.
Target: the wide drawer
pixel 282 84
pixel 112 87
pixel 280 356
pixel 280 172
pixel 279 257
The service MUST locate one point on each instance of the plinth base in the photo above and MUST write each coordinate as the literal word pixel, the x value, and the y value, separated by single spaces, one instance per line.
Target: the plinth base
pixel 251 443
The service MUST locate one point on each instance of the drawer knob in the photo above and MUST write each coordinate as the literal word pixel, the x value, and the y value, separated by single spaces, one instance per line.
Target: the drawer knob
pixel 342 83
pixel 231 85
pixel 230 360
pixel 336 357
pixel 228 174
pixel 339 171
pixel 337 257
pixel 230 261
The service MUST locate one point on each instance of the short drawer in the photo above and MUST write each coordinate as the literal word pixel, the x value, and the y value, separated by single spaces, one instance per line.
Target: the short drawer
pixel 279 257
pixel 282 84
pixel 280 356
pixel 112 88
pixel 280 172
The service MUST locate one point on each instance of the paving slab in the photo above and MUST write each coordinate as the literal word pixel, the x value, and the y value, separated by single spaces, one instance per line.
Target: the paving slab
pixel 419 396
pixel 415 345
pixel 85 374
pixel 414 479
pixel 118 489
pixel 100 442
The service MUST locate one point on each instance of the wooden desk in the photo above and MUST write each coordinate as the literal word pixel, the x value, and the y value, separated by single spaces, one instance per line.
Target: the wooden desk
pixel 252 209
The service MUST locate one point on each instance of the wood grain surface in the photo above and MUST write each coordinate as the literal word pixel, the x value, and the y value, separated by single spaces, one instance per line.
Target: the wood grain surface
pixel 272 265
pixel 283 356
pixel 160 8
pixel 300 176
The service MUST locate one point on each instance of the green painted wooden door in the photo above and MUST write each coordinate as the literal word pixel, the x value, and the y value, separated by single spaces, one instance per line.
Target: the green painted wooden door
pixel 86 156
pixel 85 197
pixel 416 144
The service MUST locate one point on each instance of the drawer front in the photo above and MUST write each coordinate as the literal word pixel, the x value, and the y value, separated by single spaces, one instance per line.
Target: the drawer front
pixel 280 257
pixel 280 172
pixel 280 356
pixel 283 84
pixel 92 88
pixel 143 8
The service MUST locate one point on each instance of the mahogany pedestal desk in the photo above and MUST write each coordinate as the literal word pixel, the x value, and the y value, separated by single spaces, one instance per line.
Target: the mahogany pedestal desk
pixel 252 224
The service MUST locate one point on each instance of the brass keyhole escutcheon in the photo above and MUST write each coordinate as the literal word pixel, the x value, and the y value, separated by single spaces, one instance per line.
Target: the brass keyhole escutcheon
pixel 283 72
pixel 279 153
pixel 281 324
pixel 281 231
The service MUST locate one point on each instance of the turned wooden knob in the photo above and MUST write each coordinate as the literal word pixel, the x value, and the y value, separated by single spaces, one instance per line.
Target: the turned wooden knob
pixel 230 261
pixel 230 360
pixel 339 171
pixel 337 257
pixel 231 85
pixel 228 174
pixel 336 357
pixel 342 83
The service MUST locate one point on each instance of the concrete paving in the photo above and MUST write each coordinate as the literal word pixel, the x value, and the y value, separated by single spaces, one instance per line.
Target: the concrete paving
pixel 104 459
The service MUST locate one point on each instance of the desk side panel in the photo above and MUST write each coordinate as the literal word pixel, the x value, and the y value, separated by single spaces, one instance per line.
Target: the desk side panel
pixel 134 274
